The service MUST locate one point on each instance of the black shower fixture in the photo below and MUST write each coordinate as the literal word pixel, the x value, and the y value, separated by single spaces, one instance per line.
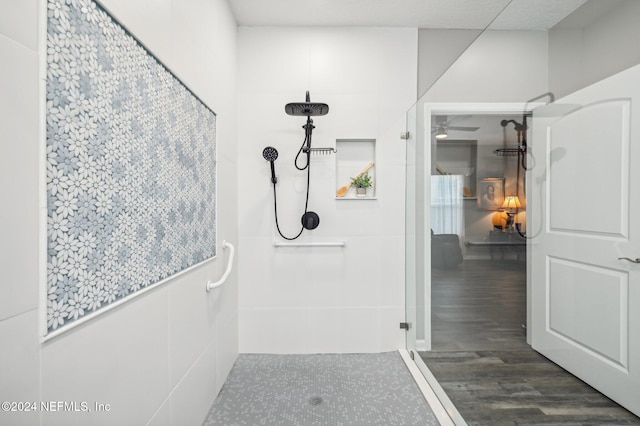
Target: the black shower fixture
pixel 307 108
pixel 521 149
pixel 310 220
pixel 271 154
pixel 520 128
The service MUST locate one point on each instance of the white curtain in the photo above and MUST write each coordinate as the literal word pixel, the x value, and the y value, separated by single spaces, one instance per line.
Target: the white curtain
pixel 447 210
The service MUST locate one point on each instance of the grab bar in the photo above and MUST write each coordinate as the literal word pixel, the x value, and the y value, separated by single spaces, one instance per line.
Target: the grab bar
pixel 210 285
pixel 329 244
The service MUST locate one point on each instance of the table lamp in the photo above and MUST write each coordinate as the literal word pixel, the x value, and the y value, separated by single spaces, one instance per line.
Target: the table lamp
pixel 511 203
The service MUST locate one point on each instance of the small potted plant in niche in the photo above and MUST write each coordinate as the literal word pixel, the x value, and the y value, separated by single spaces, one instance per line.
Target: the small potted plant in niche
pixel 361 183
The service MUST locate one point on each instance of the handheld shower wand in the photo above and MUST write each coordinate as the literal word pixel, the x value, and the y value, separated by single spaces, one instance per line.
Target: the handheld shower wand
pixel 309 221
pixel 271 154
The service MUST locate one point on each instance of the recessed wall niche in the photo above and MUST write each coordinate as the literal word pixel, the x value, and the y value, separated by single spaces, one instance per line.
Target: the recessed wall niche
pixel 353 156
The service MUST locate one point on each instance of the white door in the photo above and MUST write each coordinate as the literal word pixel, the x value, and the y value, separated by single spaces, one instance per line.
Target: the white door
pixel 584 189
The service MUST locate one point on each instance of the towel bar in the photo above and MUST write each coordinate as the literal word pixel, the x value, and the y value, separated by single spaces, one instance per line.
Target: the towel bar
pixel 319 244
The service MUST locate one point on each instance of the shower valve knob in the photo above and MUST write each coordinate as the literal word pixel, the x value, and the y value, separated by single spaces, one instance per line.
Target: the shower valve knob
pixel 310 220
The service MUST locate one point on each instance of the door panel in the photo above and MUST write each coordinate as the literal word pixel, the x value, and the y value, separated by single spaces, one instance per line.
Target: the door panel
pixel 575 290
pixel 585 301
pixel 603 128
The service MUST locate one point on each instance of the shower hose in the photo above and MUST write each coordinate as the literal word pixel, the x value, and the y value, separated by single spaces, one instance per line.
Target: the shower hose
pixel 307 151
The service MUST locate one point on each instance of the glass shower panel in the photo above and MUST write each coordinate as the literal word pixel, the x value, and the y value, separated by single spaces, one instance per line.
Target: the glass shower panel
pixel 438 50
pixel 498 65
pixel 411 254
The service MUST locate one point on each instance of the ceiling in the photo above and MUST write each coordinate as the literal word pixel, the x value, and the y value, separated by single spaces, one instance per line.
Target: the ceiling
pixel 433 14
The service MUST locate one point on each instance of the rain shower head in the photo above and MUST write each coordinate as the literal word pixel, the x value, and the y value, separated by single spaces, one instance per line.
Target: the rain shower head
pixel 306 109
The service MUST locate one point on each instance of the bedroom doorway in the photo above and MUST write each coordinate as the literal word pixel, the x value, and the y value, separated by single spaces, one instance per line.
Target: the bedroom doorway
pixel 457 218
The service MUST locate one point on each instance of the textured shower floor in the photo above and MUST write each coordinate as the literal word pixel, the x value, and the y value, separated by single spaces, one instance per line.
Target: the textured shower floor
pixel 326 389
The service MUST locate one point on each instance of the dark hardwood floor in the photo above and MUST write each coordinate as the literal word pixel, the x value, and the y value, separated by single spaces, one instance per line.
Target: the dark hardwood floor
pixel 482 361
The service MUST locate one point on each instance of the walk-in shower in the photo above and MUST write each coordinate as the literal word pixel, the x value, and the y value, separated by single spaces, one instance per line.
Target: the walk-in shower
pixel 310 220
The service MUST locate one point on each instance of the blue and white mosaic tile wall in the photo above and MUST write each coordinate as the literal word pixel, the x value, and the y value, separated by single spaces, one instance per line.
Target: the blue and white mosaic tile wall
pixel 130 166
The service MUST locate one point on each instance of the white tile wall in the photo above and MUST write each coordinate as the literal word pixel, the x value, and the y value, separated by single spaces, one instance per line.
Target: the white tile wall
pixel 121 359
pixel 228 337
pixel 19 153
pixel 21 367
pixel 162 357
pixel 192 398
pixel 304 300
pixel 162 417
pixel 192 325
pixel 21 25
pixel 324 277
pixel 321 330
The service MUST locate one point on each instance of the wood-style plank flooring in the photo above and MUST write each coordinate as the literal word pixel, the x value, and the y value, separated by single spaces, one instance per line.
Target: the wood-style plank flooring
pixel 482 361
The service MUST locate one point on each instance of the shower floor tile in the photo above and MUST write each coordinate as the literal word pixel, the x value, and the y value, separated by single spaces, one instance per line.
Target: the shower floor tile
pixel 324 389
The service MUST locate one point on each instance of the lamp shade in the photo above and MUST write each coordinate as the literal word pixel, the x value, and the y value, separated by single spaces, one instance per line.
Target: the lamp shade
pixel 511 202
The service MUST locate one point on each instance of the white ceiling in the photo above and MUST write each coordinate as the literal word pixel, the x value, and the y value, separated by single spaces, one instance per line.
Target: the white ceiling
pixel 434 14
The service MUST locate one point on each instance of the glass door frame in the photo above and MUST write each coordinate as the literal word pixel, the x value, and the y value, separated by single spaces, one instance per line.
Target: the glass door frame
pixel 418 234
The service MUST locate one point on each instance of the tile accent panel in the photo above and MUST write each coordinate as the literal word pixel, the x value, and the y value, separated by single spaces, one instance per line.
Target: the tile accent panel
pixel 130 166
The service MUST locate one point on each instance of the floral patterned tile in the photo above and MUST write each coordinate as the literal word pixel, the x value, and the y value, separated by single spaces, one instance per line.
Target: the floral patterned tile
pixel 131 189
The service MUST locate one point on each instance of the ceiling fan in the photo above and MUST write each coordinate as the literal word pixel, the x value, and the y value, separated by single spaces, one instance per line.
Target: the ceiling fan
pixel 443 125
